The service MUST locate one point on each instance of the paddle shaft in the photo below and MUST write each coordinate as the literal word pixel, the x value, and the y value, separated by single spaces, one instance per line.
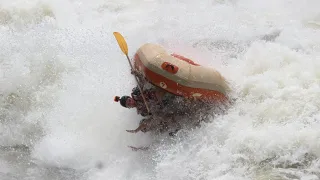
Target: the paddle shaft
pixel 144 99
pixel 124 48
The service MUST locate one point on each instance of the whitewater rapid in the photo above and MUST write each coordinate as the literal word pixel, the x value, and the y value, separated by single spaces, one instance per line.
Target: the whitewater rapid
pixel 60 68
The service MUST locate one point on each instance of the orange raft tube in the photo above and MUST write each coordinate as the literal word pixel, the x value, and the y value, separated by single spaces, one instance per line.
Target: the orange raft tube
pixel 179 75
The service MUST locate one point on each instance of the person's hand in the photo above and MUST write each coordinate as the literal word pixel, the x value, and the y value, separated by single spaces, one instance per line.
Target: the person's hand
pixel 133 148
pixel 132 131
pixel 134 72
pixel 136 149
pixel 172 134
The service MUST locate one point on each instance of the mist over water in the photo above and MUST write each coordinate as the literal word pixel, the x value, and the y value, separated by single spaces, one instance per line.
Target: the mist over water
pixel 60 68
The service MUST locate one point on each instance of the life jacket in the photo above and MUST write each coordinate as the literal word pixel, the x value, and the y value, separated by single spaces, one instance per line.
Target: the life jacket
pixel 151 98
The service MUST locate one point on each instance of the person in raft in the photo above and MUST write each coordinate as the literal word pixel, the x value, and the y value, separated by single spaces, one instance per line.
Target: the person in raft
pixel 159 102
pixel 154 97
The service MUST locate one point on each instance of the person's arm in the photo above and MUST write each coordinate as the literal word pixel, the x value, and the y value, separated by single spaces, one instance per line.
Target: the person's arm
pixel 140 77
pixel 143 125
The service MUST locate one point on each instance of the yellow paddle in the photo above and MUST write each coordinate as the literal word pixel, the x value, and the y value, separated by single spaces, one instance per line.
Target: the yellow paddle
pixel 124 48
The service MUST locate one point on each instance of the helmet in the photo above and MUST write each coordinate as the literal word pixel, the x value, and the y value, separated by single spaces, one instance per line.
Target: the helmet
pixel 122 100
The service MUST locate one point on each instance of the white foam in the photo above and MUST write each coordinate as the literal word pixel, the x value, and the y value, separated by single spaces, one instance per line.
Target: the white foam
pixel 63 62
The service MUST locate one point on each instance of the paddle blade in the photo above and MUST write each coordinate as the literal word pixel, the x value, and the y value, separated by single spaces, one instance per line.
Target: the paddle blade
pixel 122 43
